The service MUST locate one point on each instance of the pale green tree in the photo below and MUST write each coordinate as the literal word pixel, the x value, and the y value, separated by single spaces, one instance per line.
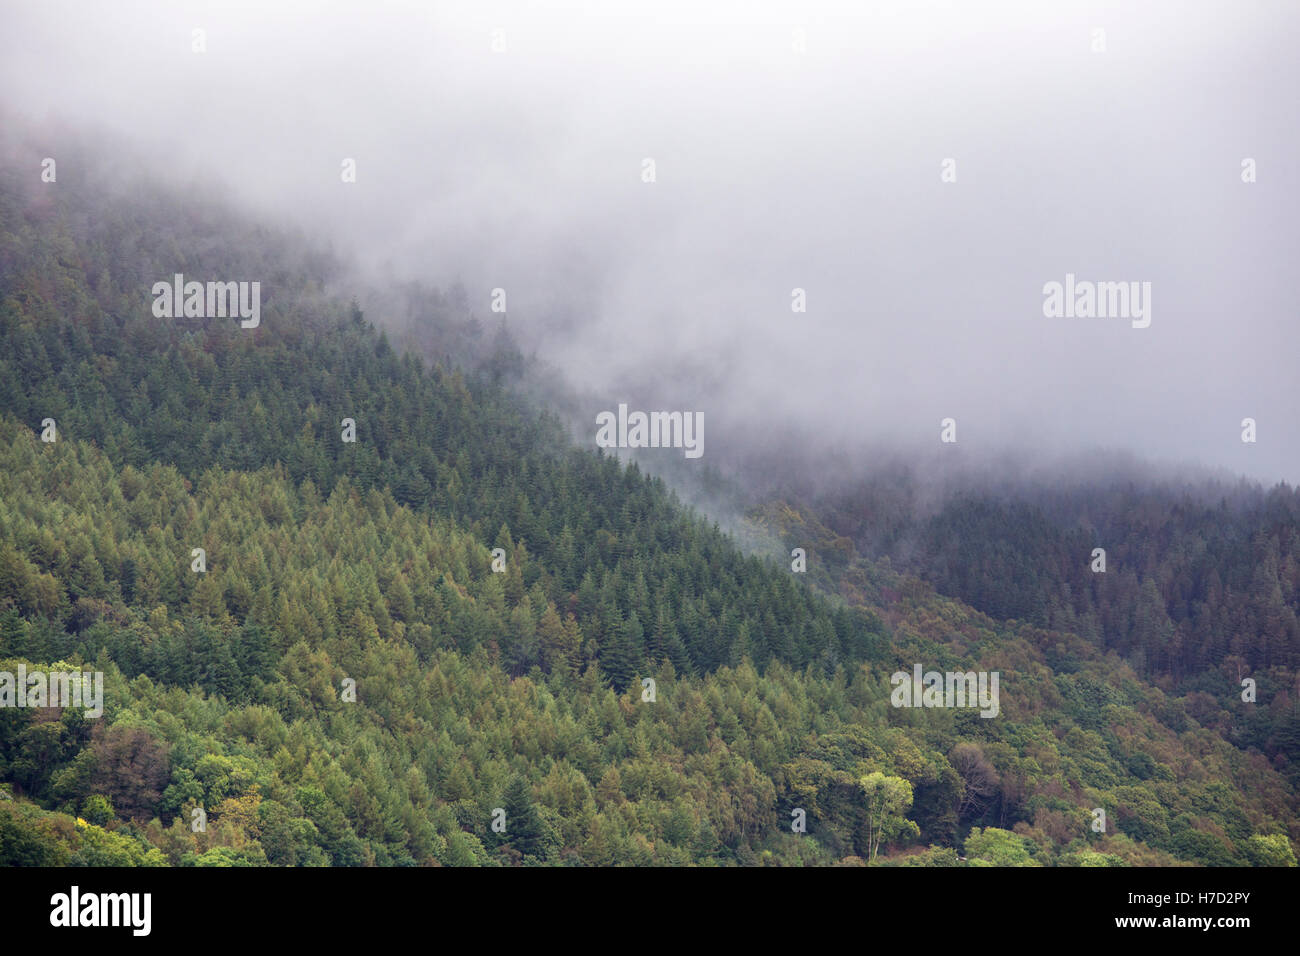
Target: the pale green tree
pixel 887 801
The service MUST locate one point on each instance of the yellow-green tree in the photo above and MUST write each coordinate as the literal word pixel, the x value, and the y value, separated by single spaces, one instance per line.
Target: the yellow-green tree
pixel 887 801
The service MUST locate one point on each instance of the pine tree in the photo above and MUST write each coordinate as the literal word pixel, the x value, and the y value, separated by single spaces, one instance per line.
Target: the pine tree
pixel 622 655
pixel 524 830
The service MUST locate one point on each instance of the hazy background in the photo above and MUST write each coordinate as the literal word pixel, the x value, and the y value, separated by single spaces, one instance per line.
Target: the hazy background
pixel 776 169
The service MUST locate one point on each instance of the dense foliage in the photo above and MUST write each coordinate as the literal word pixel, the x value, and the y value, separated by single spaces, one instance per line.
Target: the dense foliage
pixel 1201 586
pixel 477 689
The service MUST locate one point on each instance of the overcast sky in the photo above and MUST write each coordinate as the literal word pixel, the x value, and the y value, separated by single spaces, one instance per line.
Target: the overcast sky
pixel 795 145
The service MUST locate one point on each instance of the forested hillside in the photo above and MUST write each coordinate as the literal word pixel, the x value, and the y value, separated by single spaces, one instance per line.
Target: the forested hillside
pixel 1200 589
pixel 485 683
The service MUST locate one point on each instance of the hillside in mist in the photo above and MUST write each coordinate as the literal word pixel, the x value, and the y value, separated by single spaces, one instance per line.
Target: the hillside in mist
pixel 340 652
pixel 781 433
pixel 846 228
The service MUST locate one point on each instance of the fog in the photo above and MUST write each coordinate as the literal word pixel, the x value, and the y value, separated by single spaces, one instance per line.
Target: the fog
pixel 795 146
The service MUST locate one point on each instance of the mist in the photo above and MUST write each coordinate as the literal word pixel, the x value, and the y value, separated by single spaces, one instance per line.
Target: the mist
pixel 919 170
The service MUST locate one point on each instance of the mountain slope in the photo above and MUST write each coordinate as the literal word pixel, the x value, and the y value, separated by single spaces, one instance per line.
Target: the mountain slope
pixel 227 686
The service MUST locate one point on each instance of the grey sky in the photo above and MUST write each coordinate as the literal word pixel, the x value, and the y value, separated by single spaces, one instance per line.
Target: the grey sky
pixel 775 169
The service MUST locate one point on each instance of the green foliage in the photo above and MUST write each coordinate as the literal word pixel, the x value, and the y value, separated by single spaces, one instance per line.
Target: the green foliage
pixel 476 689
pixel 998 848
pixel 887 801
pixel 1271 850
pixel 97 809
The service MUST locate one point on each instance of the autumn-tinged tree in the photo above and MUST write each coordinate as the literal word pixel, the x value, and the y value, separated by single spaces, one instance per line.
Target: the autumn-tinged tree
pixel 131 768
pixel 979 778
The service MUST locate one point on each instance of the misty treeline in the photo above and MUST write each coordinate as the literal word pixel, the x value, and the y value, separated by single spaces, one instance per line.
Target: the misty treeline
pixel 1200 587
pixel 477 690
pixel 1188 585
